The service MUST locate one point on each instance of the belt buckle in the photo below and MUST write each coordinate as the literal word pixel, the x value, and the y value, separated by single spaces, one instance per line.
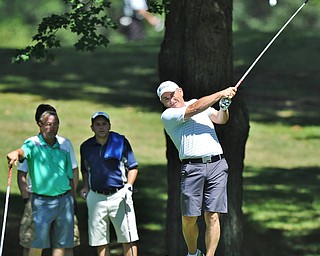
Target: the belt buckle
pixel 206 159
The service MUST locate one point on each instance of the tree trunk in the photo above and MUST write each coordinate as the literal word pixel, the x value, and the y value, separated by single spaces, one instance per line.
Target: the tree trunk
pixel 196 53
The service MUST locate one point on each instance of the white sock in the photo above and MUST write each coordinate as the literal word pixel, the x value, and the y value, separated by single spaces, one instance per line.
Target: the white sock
pixel 193 254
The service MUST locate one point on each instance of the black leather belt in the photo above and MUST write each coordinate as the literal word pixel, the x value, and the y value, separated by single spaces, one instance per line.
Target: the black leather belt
pixel 53 196
pixel 203 160
pixel 108 192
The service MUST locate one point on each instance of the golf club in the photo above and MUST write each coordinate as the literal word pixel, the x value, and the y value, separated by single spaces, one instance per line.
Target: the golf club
pixel 6 209
pixel 126 212
pixel 225 102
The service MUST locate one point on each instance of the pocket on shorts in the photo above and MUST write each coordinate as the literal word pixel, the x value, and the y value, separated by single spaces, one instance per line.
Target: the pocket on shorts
pixel 187 170
pixel 224 173
pixel 227 166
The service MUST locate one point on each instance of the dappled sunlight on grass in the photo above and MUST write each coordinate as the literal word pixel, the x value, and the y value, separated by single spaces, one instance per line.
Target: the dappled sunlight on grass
pixel 93 89
pixel 281 175
pixel 286 200
pixel 281 145
pixel 153 227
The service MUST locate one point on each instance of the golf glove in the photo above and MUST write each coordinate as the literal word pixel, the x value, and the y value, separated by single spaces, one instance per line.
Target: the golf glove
pixel 128 190
pixel 224 103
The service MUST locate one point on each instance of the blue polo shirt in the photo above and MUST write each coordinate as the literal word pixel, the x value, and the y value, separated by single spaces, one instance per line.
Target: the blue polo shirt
pixel 107 164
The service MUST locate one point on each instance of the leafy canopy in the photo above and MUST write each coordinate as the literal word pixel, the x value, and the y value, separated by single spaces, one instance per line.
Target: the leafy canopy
pixel 83 18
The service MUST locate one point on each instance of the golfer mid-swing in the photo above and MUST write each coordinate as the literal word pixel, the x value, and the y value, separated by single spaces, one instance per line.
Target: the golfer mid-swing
pixel 204 170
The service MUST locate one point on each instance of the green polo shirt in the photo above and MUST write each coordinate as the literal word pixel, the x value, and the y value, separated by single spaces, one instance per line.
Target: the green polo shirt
pixel 50 167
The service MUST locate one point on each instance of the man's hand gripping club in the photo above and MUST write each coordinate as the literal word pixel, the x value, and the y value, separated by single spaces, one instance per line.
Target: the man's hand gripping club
pixel 225 100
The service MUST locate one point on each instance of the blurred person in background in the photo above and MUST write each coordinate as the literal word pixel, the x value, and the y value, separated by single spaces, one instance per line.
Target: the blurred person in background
pixel 131 23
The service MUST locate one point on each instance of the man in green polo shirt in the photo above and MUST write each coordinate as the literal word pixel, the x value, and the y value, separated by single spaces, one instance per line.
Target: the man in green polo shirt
pixel 51 174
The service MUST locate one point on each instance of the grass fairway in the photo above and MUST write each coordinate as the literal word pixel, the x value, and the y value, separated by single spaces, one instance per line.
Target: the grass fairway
pixel 282 172
pixel 121 81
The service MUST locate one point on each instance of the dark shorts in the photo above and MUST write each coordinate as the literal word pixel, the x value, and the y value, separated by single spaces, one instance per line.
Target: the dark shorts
pixel 204 185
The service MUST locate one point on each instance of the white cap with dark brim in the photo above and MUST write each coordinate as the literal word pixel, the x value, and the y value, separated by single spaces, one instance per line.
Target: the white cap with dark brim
pixel 100 113
pixel 167 86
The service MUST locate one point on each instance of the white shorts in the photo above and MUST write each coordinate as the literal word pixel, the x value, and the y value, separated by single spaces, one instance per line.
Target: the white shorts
pixel 104 210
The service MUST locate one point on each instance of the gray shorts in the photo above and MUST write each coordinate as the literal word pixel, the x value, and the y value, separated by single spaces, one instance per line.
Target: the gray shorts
pixel 204 185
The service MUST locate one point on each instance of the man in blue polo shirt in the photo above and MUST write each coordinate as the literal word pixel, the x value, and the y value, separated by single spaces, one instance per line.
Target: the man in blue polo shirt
pixel 51 175
pixel 109 170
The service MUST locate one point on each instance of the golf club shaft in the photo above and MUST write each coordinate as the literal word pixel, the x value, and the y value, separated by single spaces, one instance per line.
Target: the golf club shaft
pixel 269 44
pixel 127 217
pixel 6 209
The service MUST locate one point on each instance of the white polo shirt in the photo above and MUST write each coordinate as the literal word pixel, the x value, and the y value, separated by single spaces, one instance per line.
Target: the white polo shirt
pixel 195 137
pixel 130 6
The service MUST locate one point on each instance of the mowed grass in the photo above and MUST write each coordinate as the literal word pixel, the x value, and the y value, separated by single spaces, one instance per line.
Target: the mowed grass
pixel 119 81
pixel 282 168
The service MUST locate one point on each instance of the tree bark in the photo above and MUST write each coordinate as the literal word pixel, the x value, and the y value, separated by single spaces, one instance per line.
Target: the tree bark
pixel 196 53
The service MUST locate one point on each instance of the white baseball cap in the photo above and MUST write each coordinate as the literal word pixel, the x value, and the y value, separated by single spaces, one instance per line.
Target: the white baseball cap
pixel 167 86
pixel 100 113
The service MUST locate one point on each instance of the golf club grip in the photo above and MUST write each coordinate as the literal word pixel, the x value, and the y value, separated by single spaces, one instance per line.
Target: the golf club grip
pixel 10 176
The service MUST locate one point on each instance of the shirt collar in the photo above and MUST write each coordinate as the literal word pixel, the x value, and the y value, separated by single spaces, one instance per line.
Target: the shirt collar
pixel 44 143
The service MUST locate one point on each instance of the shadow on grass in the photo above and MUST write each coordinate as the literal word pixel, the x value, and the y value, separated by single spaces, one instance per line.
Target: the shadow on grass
pixel 288 220
pixel 283 86
pixel 124 75
pixel 150 206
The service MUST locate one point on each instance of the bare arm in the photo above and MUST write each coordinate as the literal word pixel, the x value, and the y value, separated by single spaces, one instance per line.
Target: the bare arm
pixel 23 184
pixel 207 101
pixel 75 183
pixel 132 176
pixel 85 189
pixel 150 18
pixel 73 191
pixel 220 117
pixel 75 177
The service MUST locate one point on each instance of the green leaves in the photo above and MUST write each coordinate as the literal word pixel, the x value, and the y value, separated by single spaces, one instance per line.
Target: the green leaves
pixel 83 19
pixel 155 7
pixel 87 19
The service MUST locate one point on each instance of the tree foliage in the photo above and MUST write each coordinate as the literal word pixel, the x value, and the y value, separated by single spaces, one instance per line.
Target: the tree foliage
pixel 82 19
pixel 87 19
